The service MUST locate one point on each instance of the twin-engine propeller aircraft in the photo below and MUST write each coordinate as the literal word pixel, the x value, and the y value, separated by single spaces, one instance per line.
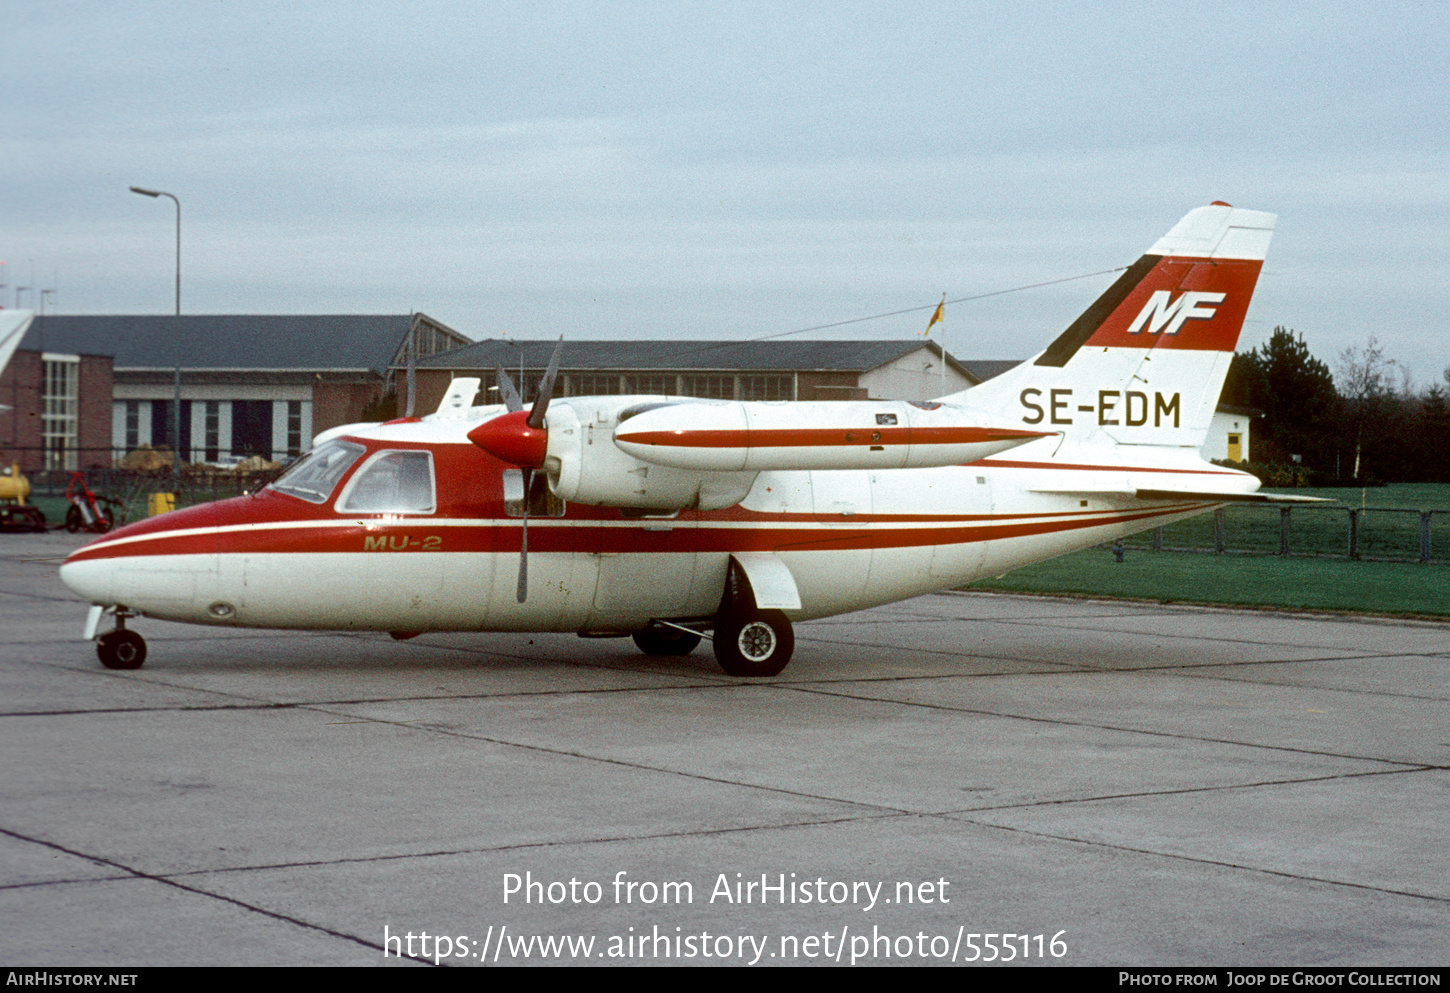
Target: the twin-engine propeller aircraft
pixel 670 518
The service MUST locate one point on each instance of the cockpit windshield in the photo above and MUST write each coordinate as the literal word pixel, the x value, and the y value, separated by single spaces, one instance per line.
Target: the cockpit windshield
pixel 314 476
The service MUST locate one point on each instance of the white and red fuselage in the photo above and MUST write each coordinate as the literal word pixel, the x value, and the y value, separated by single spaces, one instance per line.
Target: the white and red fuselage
pixel 418 524
pixel 851 539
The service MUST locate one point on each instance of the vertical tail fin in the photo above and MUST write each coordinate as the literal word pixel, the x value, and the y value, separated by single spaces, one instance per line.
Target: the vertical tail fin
pixel 1146 362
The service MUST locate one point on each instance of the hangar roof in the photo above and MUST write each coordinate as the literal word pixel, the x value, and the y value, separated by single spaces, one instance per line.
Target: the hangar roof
pixel 234 341
pixel 648 354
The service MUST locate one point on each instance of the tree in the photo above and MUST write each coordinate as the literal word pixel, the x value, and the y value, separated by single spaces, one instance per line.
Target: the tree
pixel 1432 431
pixel 1366 385
pixel 1296 393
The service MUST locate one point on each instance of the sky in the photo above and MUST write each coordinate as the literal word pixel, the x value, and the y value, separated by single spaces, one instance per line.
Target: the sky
pixel 725 170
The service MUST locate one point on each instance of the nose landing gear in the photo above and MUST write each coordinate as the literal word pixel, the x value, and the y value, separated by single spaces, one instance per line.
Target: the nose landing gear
pixel 121 648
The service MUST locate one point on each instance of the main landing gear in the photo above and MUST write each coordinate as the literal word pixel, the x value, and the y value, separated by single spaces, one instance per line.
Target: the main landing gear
pixel 121 648
pixel 749 641
pixel 667 640
pixel 754 642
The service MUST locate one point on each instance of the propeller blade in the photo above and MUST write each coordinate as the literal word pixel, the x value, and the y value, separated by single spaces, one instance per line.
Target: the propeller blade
pixel 523 593
pixel 507 392
pixel 546 388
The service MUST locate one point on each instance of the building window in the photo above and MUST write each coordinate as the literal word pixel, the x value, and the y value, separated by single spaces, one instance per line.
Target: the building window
pixel 212 431
pixel 526 381
pixel 710 387
pixel 294 427
pixel 60 408
pixel 133 425
pixel 775 386
pixel 657 383
pixel 594 384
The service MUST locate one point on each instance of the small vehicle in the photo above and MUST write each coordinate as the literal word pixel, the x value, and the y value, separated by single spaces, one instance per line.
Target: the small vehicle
pixel 88 511
pixel 15 513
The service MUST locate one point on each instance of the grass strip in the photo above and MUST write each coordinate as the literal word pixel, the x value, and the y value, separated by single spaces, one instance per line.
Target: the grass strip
pixel 1397 589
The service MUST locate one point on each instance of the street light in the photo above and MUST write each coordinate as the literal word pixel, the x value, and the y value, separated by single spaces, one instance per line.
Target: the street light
pixel 176 414
pixel 158 193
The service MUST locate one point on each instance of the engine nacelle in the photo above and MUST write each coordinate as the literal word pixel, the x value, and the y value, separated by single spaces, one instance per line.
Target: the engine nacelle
pixel 585 466
pixel 728 436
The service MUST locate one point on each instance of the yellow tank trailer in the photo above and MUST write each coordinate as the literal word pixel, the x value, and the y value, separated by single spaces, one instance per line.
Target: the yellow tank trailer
pixel 16 514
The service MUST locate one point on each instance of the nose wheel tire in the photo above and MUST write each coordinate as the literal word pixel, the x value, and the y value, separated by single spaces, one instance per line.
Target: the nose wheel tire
pixel 123 649
pixel 755 644
pixel 665 641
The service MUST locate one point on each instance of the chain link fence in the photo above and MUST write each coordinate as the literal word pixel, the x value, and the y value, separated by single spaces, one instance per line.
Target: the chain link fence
pixel 132 490
pixel 1373 533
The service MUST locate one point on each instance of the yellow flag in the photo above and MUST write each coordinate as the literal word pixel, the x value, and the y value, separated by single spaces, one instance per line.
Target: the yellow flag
pixel 935 317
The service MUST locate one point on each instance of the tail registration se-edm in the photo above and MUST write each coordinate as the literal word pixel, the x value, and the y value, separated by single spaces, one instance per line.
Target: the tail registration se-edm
pixel 671 518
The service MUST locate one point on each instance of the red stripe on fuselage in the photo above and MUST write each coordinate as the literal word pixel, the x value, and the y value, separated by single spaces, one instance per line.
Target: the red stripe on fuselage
pixel 422 535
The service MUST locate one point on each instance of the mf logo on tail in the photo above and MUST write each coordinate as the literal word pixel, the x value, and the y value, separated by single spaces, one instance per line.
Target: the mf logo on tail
pixel 1161 315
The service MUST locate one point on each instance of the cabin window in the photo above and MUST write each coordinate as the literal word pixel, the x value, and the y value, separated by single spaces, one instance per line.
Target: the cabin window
pixel 395 482
pixel 314 476
pixel 542 501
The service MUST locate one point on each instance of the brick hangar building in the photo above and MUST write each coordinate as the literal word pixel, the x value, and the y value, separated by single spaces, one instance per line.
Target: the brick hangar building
pixel 85 390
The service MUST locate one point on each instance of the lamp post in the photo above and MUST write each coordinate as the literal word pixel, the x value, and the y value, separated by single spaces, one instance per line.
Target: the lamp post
pixel 158 193
pixel 176 416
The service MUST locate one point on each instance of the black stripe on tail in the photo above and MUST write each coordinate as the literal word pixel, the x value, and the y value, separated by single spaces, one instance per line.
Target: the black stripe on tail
pixel 1067 343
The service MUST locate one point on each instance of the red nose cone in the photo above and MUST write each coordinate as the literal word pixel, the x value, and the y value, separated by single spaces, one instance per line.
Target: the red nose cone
pixel 509 438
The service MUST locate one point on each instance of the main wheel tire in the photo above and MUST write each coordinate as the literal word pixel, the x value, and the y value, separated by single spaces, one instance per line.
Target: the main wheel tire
pixel 666 641
pixel 73 522
pixel 121 650
pixel 758 644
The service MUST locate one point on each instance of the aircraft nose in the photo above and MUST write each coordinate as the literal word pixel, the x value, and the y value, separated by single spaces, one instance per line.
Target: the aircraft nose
pixel 94 580
pixel 162 566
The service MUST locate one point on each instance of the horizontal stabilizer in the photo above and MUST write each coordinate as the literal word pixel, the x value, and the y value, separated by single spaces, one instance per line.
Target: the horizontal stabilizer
pixel 1205 495
pixel 1230 497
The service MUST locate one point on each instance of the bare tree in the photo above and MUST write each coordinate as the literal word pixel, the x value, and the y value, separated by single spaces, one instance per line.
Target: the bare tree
pixel 1363 377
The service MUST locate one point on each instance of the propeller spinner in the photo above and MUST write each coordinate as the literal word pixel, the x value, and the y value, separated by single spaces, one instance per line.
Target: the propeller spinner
pixel 521 438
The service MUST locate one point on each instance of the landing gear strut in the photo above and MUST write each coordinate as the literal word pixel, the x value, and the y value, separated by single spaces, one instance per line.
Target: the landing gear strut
pixel 750 641
pixel 121 648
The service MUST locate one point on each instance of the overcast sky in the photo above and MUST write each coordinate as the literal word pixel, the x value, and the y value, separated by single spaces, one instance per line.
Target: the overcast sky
pixel 731 170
